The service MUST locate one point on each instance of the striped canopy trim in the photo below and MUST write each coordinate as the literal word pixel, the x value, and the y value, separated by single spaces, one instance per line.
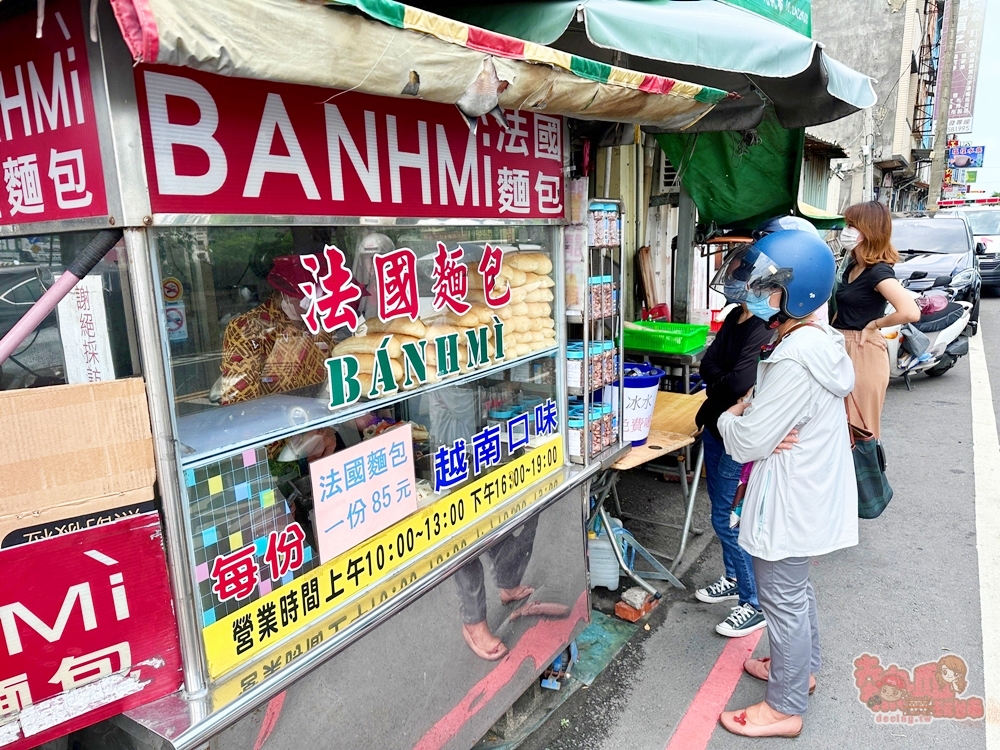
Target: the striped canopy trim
pixel 409 18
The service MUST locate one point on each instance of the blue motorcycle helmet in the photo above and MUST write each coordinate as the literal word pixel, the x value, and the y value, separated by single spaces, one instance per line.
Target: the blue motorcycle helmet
pixel 782 223
pixel 797 263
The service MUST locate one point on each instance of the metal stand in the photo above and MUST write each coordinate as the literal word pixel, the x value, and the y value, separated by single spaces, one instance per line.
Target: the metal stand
pixel 689 491
pixel 603 487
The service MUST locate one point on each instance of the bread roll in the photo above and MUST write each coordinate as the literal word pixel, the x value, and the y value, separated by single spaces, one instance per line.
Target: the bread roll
pixel 507 271
pixel 530 262
pixel 520 350
pixel 520 324
pixel 539 309
pixel 405 326
pixel 538 324
pixel 395 365
pixel 465 337
pixel 548 333
pixel 440 329
pixel 540 295
pixel 367 345
pixel 517 294
pixel 519 310
pixel 537 346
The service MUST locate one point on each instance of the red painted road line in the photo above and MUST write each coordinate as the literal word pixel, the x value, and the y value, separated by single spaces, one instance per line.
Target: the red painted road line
pixel 702 716
pixel 271 715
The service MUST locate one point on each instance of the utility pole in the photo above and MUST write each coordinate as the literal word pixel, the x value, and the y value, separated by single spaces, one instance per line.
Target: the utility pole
pixel 940 154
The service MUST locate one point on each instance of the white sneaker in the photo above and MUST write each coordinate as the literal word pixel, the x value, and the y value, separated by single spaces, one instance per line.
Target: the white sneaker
pixel 723 590
pixel 745 619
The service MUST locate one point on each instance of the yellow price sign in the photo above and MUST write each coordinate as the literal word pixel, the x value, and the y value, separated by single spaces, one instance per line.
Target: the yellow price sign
pixel 250 675
pixel 254 628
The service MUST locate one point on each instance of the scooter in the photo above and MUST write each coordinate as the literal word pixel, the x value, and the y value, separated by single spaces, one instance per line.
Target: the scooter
pixel 944 331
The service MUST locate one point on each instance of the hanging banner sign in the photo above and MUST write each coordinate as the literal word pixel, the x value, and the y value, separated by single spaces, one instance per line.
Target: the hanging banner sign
pixel 88 630
pixel 220 145
pixel 966 157
pixel 49 150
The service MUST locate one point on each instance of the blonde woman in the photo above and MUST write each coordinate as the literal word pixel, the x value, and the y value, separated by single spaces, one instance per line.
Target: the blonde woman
pixel 867 284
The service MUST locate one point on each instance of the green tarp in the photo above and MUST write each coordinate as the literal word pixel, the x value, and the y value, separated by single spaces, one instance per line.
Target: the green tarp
pixel 734 182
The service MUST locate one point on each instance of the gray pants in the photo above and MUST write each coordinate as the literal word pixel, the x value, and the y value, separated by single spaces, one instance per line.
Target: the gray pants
pixel 789 603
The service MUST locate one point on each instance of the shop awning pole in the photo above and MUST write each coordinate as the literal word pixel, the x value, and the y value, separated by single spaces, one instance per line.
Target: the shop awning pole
pixel 84 264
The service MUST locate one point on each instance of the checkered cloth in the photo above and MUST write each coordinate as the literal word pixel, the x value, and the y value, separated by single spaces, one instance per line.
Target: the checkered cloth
pixel 874 492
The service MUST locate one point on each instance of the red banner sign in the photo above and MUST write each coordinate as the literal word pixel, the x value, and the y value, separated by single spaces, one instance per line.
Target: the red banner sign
pixel 87 630
pixel 50 156
pixel 227 146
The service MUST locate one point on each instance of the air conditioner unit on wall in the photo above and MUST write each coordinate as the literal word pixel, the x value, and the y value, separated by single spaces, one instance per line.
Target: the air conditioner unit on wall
pixel 668 183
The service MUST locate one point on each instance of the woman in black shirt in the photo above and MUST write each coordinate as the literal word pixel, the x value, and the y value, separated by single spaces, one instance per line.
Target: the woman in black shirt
pixel 867 284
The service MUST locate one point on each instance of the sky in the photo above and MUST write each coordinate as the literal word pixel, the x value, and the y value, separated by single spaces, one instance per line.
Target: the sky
pixel 986 111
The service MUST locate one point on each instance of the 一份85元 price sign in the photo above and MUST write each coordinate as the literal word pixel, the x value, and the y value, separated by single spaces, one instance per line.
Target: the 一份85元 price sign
pixel 248 632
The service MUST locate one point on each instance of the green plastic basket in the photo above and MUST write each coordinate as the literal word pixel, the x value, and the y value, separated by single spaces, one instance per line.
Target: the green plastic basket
pixel 666 338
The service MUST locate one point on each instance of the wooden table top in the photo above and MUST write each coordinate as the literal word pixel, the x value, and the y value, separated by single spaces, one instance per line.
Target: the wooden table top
pixel 674 412
pixel 659 444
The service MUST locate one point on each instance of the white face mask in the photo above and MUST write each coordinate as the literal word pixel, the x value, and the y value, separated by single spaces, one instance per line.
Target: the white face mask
pixel 850 237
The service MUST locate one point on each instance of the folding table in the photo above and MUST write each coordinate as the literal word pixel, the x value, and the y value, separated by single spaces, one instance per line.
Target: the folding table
pixel 672 410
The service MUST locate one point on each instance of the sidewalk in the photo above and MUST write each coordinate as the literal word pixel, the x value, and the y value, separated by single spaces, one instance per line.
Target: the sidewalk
pixel 908 594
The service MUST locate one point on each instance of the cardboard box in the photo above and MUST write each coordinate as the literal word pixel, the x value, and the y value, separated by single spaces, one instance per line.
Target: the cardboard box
pixel 81 452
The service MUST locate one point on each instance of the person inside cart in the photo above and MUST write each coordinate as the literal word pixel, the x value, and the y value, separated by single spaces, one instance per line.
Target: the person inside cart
pixel 268 349
pixel 729 369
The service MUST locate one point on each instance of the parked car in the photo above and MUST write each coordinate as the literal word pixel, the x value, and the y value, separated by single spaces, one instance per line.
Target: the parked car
pixel 938 247
pixel 38 361
pixel 985 226
pixel 20 287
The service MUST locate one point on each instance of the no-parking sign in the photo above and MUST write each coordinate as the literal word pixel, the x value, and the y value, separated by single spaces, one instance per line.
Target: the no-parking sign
pixel 177 327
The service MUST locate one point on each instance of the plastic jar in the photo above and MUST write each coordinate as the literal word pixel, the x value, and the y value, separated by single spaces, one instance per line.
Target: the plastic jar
pixel 607 429
pixel 500 417
pixel 596 363
pixel 606 296
pixel 596 429
pixel 614 230
pixel 574 438
pixel 608 355
pixel 595 296
pixel 574 366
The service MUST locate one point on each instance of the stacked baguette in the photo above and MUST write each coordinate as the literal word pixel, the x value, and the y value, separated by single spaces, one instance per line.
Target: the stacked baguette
pixel 528 325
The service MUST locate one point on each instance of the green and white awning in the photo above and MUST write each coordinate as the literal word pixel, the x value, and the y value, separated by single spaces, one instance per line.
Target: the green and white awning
pixel 713 43
pixel 391 49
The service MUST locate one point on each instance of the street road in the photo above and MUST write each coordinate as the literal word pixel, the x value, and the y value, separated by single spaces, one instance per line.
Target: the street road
pixel 908 594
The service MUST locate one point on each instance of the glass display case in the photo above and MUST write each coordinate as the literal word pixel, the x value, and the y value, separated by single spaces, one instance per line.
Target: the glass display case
pixel 88 337
pixel 317 459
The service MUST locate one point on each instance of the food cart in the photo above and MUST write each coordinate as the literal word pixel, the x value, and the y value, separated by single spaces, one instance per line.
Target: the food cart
pixel 349 314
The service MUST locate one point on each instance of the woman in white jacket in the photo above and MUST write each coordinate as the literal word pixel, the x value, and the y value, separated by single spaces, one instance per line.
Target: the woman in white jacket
pixel 802 502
